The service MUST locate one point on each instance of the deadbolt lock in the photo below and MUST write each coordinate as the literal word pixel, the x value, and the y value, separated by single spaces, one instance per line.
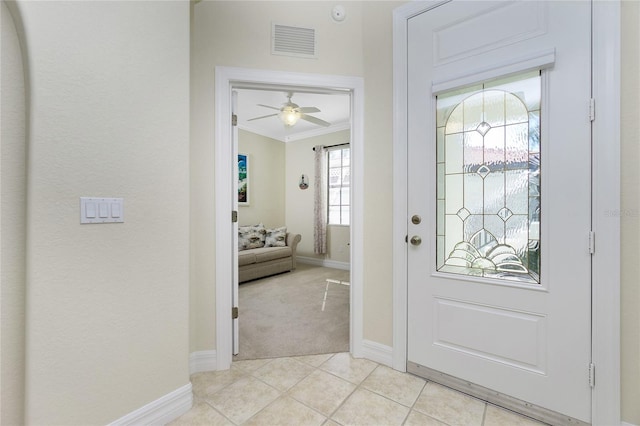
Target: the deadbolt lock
pixel 415 219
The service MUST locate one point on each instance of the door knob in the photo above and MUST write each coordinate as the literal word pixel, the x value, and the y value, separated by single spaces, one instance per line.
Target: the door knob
pixel 415 240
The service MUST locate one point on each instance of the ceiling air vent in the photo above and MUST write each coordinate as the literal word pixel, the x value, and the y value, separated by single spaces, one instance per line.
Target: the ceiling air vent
pixel 293 41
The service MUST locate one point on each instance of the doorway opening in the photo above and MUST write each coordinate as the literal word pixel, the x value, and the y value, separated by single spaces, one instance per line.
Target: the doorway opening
pixel 292 300
pixel 229 80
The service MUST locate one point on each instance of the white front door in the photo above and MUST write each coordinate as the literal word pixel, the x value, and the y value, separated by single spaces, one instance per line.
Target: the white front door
pixel 499 199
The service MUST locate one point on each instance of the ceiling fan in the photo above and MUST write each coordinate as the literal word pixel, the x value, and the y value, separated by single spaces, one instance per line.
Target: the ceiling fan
pixel 290 113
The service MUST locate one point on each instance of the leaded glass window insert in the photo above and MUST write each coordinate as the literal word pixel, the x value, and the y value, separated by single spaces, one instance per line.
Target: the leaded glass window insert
pixel 488 180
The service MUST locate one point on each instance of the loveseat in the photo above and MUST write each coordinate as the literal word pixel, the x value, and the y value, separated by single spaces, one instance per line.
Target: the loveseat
pixel 263 252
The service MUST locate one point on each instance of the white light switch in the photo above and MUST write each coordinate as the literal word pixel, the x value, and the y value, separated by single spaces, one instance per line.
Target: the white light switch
pixel 90 210
pixel 104 210
pixel 101 210
pixel 115 210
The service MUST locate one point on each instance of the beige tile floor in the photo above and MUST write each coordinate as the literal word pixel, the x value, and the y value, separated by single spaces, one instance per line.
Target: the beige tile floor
pixel 332 389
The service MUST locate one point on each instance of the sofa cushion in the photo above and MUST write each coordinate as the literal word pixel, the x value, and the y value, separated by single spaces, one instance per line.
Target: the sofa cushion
pixel 270 253
pixel 276 237
pixel 246 257
pixel 250 237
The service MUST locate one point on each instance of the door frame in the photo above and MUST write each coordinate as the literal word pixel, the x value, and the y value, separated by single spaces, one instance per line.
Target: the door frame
pixel 227 78
pixel 605 144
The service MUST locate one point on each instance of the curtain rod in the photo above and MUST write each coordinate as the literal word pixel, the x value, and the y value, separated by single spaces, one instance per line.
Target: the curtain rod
pixel 331 146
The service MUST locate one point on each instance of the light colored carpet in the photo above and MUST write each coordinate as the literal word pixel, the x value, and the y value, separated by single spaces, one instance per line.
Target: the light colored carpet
pixel 289 315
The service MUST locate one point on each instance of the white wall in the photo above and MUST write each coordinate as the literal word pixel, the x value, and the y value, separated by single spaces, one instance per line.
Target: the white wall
pixel 300 160
pixel 13 194
pixel 630 208
pixel 266 180
pixel 107 305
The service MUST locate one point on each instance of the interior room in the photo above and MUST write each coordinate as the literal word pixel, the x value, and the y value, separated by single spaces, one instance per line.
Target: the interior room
pixel 306 300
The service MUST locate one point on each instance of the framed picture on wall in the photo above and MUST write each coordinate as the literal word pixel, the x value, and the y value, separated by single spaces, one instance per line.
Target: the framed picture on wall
pixel 243 180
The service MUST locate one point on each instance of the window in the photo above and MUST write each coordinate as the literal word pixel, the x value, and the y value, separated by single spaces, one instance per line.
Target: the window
pixel 338 186
pixel 488 180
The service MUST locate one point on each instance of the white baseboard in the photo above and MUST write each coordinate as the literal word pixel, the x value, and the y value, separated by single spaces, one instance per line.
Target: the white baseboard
pixel 203 361
pixel 327 263
pixel 627 424
pixel 162 410
pixel 382 354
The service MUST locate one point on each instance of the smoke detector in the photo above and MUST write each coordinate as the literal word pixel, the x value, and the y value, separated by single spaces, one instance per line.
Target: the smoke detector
pixel 338 13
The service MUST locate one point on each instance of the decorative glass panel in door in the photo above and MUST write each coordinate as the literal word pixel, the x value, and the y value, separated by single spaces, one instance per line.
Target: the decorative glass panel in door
pixel 488 180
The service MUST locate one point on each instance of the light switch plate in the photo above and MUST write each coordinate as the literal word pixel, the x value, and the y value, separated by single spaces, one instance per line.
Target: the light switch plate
pixel 101 210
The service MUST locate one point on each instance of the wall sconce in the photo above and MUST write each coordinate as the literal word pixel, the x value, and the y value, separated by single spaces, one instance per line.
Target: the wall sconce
pixel 304 182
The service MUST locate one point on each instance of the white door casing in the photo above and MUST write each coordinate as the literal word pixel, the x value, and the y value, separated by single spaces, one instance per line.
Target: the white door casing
pixel 226 79
pixel 235 301
pixel 493 55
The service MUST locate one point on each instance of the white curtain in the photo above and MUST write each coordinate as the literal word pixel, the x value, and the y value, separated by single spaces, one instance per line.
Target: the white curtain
pixel 320 201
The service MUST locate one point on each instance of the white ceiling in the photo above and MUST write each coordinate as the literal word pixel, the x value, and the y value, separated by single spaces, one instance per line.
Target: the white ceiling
pixel 334 108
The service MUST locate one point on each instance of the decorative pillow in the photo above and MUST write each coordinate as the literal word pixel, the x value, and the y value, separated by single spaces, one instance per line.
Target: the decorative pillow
pixel 276 237
pixel 250 237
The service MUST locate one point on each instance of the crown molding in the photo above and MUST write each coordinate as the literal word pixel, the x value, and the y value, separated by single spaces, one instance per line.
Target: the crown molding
pixel 338 127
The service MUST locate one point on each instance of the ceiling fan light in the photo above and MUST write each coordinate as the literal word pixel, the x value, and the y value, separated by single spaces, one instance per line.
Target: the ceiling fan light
pixel 289 116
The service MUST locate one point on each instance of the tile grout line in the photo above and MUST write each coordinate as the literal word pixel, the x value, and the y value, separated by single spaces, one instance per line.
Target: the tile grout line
pixel 361 386
pixel 219 412
pixel 243 374
pixel 350 394
pixel 414 403
pixel 286 392
pixel 317 368
pixel 484 414
pixel 280 393
pixel 411 408
pixel 215 409
pixel 459 393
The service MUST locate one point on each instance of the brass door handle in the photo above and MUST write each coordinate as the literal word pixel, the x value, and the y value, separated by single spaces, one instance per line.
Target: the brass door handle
pixel 415 240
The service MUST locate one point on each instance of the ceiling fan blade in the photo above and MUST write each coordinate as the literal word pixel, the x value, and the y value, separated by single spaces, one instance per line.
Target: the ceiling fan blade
pixel 308 109
pixel 264 116
pixel 315 120
pixel 269 106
